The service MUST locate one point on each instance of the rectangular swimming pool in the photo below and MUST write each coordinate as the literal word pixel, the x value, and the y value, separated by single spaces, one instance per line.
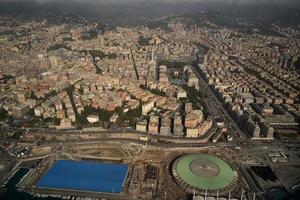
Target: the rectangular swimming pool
pixel 85 176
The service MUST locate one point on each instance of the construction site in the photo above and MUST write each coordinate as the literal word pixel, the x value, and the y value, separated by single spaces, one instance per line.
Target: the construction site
pixel 150 173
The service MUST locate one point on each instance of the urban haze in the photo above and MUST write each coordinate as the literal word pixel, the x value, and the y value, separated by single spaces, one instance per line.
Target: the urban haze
pixel 150 99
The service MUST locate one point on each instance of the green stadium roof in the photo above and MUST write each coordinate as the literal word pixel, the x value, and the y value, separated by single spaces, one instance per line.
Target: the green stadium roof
pixel 209 171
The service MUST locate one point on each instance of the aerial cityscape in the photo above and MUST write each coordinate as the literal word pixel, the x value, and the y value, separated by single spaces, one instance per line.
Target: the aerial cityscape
pixel 149 99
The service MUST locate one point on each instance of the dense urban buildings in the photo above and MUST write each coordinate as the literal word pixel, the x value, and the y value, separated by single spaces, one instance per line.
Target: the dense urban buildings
pixel 178 107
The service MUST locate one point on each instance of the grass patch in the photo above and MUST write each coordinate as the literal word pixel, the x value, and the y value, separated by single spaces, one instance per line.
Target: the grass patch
pixel 131 115
pixel 104 117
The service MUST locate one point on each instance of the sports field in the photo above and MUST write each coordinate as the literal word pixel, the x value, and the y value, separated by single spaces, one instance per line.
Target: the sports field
pixel 85 176
pixel 204 171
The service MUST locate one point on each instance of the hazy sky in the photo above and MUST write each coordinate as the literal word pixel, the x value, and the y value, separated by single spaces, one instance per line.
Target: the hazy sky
pixel 112 9
pixel 170 1
pixel 238 2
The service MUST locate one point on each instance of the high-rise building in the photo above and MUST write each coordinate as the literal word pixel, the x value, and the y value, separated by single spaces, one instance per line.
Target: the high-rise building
pixel 141 126
pixel 178 127
pixel 153 125
pixel 165 128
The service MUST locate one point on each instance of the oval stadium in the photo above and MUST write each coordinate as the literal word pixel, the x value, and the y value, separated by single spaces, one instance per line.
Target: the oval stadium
pixel 204 173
